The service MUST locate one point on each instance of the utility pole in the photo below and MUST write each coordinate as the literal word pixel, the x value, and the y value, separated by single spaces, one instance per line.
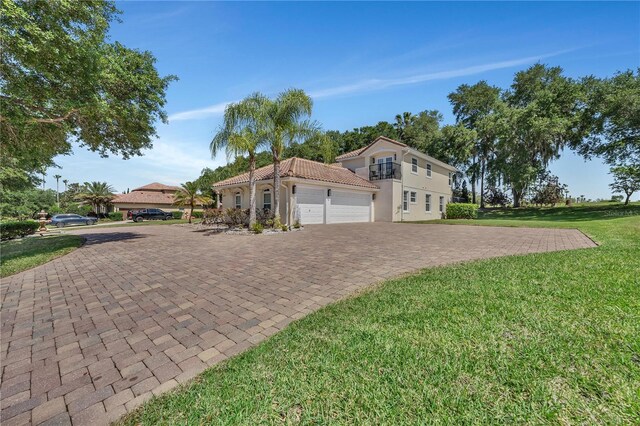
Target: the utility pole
pixel 57 177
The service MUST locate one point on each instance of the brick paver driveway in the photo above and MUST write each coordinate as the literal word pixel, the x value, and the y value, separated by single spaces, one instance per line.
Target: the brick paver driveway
pixel 138 310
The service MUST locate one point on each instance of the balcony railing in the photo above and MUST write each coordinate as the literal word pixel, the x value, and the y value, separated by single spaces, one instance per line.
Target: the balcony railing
pixel 384 171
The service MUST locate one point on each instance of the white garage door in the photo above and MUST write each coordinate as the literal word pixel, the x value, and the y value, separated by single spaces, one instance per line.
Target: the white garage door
pixel 349 207
pixel 310 202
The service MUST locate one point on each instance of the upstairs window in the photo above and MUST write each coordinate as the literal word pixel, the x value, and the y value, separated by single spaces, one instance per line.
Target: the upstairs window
pixel 428 170
pixel 414 165
pixel 450 178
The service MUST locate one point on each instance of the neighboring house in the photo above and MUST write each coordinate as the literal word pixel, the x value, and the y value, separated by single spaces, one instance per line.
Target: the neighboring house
pixel 152 196
pixel 385 181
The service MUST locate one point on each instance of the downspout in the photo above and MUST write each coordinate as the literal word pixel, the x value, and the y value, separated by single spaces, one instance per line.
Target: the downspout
pixel 404 152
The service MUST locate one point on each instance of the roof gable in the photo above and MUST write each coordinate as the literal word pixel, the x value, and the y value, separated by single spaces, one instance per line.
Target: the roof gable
pixel 359 151
pixel 156 186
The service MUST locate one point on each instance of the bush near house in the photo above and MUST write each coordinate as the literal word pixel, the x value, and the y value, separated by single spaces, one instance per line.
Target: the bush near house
pixel 17 229
pixel 197 215
pixel 115 216
pixel 177 215
pixel 462 211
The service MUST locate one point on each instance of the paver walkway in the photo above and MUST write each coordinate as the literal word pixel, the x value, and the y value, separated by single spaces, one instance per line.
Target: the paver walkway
pixel 138 310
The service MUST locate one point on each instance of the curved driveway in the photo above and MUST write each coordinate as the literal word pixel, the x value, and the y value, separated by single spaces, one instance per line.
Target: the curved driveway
pixel 138 310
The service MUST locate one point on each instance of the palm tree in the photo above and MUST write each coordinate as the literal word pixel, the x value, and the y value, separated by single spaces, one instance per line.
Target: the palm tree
pixel 96 193
pixel 57 178
pixel 189 195
pixel 243 132
pixel 286 124
pixel 65 181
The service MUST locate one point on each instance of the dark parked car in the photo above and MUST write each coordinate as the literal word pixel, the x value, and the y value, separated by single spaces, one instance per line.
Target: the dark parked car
pixel 148 214
pixel 62 220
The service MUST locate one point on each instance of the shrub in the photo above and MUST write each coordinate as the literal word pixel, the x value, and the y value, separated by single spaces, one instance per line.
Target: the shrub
pixel 115 216
pixel 235 217
pixel 257 228
pixel 462 211
pixel 264 217
pixel 297 225
pixel 17 229
pixel 212 216
pixel 197 214
pixel 284 228
pixel 496 197
pixel 176 215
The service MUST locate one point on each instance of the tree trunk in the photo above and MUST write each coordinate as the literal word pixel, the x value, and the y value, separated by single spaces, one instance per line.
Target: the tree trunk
pixel 626 202
pixel 517 195
pixel 252 191
pixel 482 171
pixel 191 213
pixel 473 188
pixel 276 188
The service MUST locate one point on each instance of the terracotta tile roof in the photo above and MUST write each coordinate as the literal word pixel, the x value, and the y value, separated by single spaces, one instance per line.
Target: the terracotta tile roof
pixel 144 197
pixel 155 186
pixel 303 169
pixel 359 151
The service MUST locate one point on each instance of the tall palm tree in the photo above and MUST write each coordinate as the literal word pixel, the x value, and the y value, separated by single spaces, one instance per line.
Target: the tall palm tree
pixel 286 124
pixel 189 195
pixel 57 178
pixel 244 132
pixel 96 193
pixel 66 182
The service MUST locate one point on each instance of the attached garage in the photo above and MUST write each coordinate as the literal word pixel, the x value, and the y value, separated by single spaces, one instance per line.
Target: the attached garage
pixel 349 206
pixel 311 192
pixel 310 202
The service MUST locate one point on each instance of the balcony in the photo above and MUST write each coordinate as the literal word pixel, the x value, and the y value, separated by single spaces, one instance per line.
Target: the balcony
pixel 384 171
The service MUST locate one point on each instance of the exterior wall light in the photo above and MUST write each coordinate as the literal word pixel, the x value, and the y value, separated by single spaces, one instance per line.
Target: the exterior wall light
pixel 328 192
pixel 293 189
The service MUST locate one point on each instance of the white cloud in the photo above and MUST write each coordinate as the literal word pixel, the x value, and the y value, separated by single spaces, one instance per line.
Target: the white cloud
pixel 195 114
pixel 378 84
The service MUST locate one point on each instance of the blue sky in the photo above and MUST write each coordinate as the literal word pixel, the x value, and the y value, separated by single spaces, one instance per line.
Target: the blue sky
pixel 361 62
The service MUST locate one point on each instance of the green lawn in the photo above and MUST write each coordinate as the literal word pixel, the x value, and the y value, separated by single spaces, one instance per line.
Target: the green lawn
pixel 19 255
pixel 539 339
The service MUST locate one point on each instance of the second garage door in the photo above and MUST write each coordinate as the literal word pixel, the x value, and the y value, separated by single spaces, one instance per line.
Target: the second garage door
pixel 348 206
pixel 310 202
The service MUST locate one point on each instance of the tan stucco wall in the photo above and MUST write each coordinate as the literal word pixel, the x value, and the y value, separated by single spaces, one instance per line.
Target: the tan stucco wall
pixel 228 197
pixel 388 203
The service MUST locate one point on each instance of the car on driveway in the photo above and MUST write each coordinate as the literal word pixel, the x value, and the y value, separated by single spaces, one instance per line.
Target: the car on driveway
pixel 148 214
pixel 62 220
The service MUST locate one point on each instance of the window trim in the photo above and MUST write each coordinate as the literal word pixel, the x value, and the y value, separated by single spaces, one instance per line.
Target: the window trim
pixel 427 203
pixel 429 170
pixel 413 197
pixel 265 192
pixel 405 201
pixel 415 172
pixel 235 200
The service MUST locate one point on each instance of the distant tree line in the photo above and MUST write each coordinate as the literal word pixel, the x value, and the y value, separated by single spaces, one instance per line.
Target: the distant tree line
pixel 503 140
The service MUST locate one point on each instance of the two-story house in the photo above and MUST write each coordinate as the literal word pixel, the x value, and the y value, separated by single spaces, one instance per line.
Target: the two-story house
pixel 386 181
